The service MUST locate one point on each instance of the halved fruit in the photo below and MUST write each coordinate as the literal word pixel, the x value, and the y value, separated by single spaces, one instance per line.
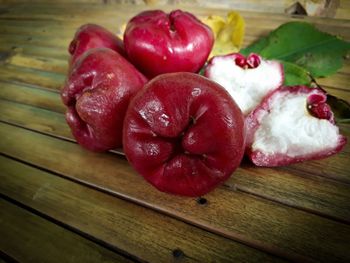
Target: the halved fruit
pixel 291 125
pixel 247 79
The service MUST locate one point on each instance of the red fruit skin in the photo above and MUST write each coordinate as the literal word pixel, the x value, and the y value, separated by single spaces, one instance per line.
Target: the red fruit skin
pixel 158 43
pixel 273 160
pixel 184 134
pixel 97 93
pixel 90 36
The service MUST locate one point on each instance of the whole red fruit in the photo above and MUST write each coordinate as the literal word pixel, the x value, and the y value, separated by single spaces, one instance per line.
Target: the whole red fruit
pixel 158 43
pixel 184 134
pixel 90 36
pixel 97 93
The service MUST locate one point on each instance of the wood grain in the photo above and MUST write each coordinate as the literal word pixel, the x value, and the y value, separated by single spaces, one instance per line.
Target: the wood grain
pixel 31 95
pixel 41 78
pixel 325 197
pixel 48 64
pixel 35 119
pixel 27 237
pixel 299 212
pixel 139 231
pixel 254 221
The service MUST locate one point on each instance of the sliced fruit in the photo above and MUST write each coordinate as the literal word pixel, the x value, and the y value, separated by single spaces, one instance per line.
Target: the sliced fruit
pixel 247 79
pixel 291 125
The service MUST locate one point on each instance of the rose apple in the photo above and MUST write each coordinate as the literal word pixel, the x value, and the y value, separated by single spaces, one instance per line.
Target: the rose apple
pixel 90 36
pixel 184 134
pixel 291 125
pixel 247 79
pixel 97 93
pixel 158 43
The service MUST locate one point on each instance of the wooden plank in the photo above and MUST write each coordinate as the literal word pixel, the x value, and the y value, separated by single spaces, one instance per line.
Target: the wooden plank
pixel 141 232
pixel 336 168
pixel 41 78
pixel 31 95
pixel 325 167
pixel 335 84
pixel 35 119
pixel 239 216
pixel 45 74
pixel 325 197
pixel 255 26
pixel 339 93
pixel 41 63
pixel 295 188
pixel 340 81
pixel 27 237
pixel 93 12
pixel 19 12
pixel 42 30
pixel 59 43
pixel 34 50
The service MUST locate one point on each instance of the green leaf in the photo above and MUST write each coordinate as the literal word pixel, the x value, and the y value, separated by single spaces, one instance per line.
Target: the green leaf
pixel 301 43
pixel 295 75
pixel 256 47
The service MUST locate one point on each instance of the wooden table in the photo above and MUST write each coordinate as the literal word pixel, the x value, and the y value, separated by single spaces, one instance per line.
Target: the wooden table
pixel 61 203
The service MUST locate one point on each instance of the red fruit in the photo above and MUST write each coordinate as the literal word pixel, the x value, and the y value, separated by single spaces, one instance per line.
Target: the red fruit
pixel 158 43
pixel 90 36
pixel 184 134
pixel 248 80
pixel 291 125
pixel 97 93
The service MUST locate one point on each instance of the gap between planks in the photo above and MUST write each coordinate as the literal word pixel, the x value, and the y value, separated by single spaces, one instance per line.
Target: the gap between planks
pixel 54 80
pixel 24 245
pixel 39 122
pixel 220 195
pixel 110 211
pixel 13 93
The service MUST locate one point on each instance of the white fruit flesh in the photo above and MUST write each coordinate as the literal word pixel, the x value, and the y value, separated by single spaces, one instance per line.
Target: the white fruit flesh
pixel 289 128
pixel 247 86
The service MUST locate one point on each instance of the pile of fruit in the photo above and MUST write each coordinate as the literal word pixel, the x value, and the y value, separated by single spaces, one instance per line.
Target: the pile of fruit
pixel 183 132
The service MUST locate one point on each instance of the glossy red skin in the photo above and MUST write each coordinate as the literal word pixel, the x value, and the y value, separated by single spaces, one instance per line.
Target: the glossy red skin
pixel 184 134
pixel 158 43
pixel 97 93
pixel 271 160
pixel 90 36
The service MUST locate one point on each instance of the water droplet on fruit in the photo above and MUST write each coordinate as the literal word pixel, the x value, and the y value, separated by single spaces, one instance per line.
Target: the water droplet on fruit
pixel 228 121
pixel 152 149
pixel 164 119
pixel 110 75
pixel 196 92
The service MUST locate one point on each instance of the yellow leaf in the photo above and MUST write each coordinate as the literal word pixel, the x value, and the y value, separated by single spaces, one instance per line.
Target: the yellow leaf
pixel 228 33
pixel 120 32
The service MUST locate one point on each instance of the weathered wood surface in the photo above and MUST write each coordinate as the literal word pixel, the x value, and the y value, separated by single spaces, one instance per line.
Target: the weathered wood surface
pixel 29 237
pixel 94 206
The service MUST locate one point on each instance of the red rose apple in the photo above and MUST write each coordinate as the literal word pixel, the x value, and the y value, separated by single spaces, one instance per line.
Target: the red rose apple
pixel 158 43
pixel 291 125
pixel 97 93
pixel 90 36
pixel 184 134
